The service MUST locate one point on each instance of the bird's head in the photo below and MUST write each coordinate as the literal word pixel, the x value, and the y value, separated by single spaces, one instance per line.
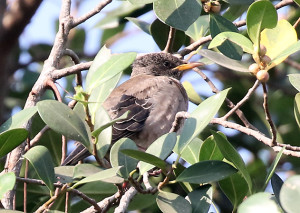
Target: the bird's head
pixel 161 64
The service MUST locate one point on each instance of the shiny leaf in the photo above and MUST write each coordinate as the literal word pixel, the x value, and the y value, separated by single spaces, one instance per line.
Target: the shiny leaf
pixel 63 120
pixel 7 182
pixel 11 139
pixel 199 28
pixel 210 150
pixel 117 158
pixel 179 14
pixel 18 119
pixel 201 198
pixel 40 158
pixel 191 152
pixel 172 203
pixel 295 80
pixel 290 194
pixel 206 171
pixel 192 94
pixel 140 24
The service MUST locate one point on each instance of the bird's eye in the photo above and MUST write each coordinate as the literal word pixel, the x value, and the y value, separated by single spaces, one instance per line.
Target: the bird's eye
pixel 166 63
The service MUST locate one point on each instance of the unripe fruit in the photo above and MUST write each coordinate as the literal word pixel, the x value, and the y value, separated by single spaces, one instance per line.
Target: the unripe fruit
pixel 262 50
pixel 262 76
pixel 265 60
pixel 254 68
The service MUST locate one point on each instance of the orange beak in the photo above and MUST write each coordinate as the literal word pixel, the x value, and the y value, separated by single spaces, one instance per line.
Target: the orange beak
pixel 189 66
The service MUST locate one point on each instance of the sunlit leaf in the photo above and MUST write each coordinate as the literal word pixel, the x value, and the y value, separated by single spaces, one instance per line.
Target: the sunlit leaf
pixel 192 94
pixel 40 158
pixel 297 108
pixel 191 152
pixel 234 37
pixel 11 139
pixel 107 175
pixel 295 80
pixel 7 182
pixel 63 120
pixel 224 61
pixel 199 119
pixel 199 28
pixel 206 171
pixel 290 194
pixel 179 14
pixel 260 15
pixel 161 148
pixel 172 203
pixel 210 150
pixel 138 2
pixel 280 42
pixel 18 119
pixel 117 158
pixel 259 202
pixel 140 24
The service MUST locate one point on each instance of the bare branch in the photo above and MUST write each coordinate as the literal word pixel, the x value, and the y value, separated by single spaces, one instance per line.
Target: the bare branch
pixel 125 200
pixel 239 104
pixel 290 150
pixel 268 115
pixel 170 42
pixel 91 13
pixel 57 74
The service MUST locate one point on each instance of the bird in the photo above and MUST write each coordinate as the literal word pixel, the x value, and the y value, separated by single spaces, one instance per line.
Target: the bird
pixel 153 95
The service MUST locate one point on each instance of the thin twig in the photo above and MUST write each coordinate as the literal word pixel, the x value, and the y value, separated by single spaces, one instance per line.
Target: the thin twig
pixel 292 63
pixel 231 105
pixel 290 150
pixel 170 42
pixel 239 104
pixel 91 13
pixel 296 23
pixel 63 148
pixel 268 115
pixel 76 60
pixel 53 87
pixel 37 137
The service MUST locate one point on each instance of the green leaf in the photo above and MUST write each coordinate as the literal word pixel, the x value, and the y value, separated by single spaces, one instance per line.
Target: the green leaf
pixel 192 94
pixel 192 151
pixel 201 199
pixel 100 93
pixel 64 174
pixel 63 120
pixel 187 187
pixel 11 139
pixel 219 24
pixel 290 194
pixel 235 188
pixel 107 175
pixel 113 66
pixel 40 158
pixel 102 56
pixel 146 157
pixel 235 11
pixel 234 37
pixel 161 148
pixel 233 156
pixel 103 139
pixel 260 15
pixel 260 202
pixel 172 203
pixel 199 28
pixel 98 131
pixel 117 158
pixel 179 14
pixel 210 151
pixel 297 2
pixel 273 167
pixel 160 34
pixel 7 182
pixel 280 42
pixel 140 24
pixel 224 61
pixel 199 119
pixel 85 169
pixel 18 119
pixel 206 171
pixel 295 80
pixel 297 108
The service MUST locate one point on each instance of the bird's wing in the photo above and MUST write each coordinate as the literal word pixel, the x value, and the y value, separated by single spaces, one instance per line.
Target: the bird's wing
pixel 135 121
